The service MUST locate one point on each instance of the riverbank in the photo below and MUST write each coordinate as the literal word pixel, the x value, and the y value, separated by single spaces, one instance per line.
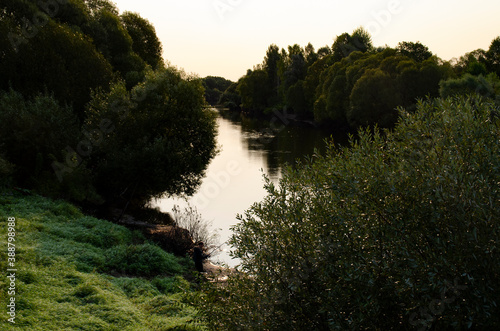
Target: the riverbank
pixel 73 271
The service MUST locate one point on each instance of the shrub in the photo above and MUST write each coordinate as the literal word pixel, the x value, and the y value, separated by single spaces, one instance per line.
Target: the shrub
pixel 199 228
pixel 33 131
pixel 488 86
pixel 144 260
pixel 33 134
pixel 395 232
pixel 168 285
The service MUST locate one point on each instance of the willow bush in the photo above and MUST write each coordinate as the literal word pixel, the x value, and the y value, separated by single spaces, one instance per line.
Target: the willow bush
pixel 398 231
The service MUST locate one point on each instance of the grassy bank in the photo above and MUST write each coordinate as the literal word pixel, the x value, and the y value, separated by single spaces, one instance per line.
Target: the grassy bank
pixel 75 272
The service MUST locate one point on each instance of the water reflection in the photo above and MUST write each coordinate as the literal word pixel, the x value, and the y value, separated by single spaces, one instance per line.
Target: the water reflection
pixel 249 148
pixel 280 144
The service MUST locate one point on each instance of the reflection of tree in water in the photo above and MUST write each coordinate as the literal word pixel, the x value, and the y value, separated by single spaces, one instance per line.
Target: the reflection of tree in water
pixel 279 144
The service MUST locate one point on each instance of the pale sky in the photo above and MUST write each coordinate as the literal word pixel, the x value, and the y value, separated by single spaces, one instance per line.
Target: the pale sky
pixel 227 37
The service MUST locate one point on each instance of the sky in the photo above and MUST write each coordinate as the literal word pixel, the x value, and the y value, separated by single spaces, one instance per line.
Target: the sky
pixel 227 37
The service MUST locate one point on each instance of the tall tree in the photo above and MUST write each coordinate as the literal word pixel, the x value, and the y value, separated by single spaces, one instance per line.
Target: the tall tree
pixel 310 55
pixel 359 41
pixel 112 39
pixel 415 51
pixel 271 66
pixel 56 59
pixel 254 91
pixel 324 51
pixel 96 6
pixel 362 40
pixel 161 138
pixel 493 56
pixel 214 88
pixel 473 63
pixel 145 42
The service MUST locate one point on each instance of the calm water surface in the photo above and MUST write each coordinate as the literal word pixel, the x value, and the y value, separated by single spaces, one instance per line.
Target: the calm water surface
pixel 249 149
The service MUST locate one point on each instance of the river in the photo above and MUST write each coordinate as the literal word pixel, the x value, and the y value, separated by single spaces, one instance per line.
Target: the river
pixel 249 148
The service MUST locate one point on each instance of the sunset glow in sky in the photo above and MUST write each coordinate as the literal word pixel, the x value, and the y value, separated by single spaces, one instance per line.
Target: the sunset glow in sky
pixel 227 37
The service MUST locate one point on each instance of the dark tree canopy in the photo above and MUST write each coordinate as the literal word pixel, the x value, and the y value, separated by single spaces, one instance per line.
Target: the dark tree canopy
pixel 56 59
pixel 162 140
pixel 88 110
pixel 214 88
pixel 415 51
pixel 345 44
pixel 145 42
pixel 353 83
pixel 493 56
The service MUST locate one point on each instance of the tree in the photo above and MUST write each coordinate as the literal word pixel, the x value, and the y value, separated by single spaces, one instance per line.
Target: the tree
pixel 473 63
pixel 33 133
pixel 73 13
pixel 214 88
pixel 345 44
pixel 312 80
pixel 56 59
pixel 493 56
pixel 145 42
pixel 415 51
pixel 374 99
pixel 324 51
pixel 397 231
pixel 254 91
pixel 230 98
pixel 362 40
pixel 296 98
pixel 111 38
pixel 296 67
pixel 310 55
pixel 271 66
pixel 96 6
pixel 365 88
pixel 161 139
pixel 488 86
pixel 341 48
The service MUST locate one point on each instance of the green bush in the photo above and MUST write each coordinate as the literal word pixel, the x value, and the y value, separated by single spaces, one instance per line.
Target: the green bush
pixel 146 259
pixel 398 231
pixel 170 284
pixel 34 131
pixel 486 86
pixel 92 231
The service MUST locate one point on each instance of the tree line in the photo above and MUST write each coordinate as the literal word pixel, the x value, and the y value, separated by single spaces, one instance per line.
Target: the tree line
pixel 89 110
pixel 352 83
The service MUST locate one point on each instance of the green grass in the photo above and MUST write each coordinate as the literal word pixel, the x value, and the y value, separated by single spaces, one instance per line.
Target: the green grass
pixel 67 266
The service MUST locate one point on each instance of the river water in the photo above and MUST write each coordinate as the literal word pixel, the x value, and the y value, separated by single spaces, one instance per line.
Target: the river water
pixel 249 148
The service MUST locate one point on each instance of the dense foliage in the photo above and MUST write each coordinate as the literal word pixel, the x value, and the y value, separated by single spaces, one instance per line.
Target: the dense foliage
pixel 214 88
pixel 352 83
pixel 398 231
pixel 160 137
pixel 365 89
pixel 88 110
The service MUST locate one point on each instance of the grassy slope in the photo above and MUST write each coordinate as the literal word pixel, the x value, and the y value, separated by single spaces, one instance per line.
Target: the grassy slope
pixel 64 261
